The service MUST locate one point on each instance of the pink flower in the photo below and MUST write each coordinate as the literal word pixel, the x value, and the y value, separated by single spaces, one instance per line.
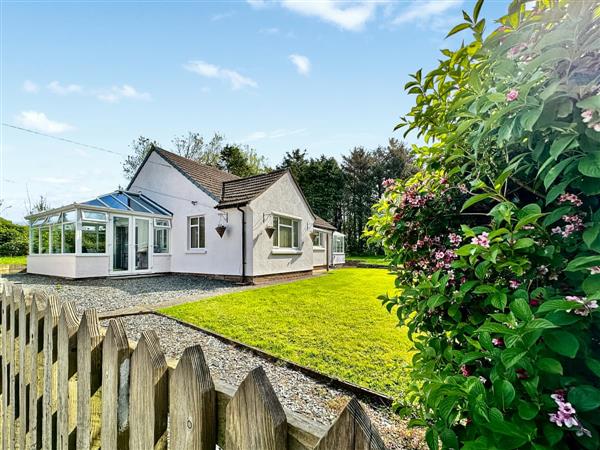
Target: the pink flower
pixel 388 182
pixel 481 240
pixel 571 198
pixel 454 238
pixel 498 342
pixel 512 95
pixel 439 255
pixel 514 284
pixel 587 305
pixel 594 270
pixel 542 270
pixel 587 115
pixel 596 127
pixel 466 370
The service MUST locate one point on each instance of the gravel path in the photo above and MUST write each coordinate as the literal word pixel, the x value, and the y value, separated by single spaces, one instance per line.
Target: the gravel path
pixel 110 294
pixel 296 391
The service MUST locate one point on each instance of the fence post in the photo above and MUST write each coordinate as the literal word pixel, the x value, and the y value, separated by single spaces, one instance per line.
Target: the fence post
pixel 148 395
pixel 6 294
pixel 49 389
pixel 24 369
pixel 89 367
pixel 12 377
pixel 351 430
pixel 66 366
pixel 255 418
pixel 192 403
pixel 115 387
pixel 36 326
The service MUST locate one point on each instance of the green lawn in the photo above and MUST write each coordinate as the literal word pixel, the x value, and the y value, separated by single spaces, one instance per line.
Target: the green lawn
pixel 369 259
pixel 333 323
pixel 13 260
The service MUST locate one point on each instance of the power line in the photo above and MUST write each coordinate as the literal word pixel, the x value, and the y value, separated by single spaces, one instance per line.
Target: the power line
pixel 94 147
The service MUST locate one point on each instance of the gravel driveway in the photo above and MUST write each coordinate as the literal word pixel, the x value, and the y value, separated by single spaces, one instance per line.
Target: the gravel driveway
pixel 112 294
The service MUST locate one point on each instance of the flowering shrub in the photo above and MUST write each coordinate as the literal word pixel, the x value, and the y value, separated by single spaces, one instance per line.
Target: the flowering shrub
pixel 496 241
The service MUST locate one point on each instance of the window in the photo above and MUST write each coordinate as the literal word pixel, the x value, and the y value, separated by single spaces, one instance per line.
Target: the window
pixel 68 237
pixel 93 237
pixel 196 238
pixel 57 238
pixel 287 232
pixel 35 241
pixel 338 244
pixel 45 240
pixel 95 216
pixel 319 239
pixel 161 235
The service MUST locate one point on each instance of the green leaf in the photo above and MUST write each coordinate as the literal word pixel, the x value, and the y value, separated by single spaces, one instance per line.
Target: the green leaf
pixel 457 28
pixel 512 356
pixel 560 145
pixel 475 199
pixel 504 392
pixel 585 398
pixel 523 243
pixel 498 300
pixel 556 305
pixel 590 165
pixel 562 342
pixel 540 324
pixel 592 102
pixel 593 365
pixel 555 215
pixel 531 218
pixel 436 300
pixel 431 437
pixel 550 365
pixel 583 262
pixel 591 235
pixel 556 170
pixel 477 9
pixel 521 309
pixel 552 433
pixel 591 284
pixel 527 411
pixel 529 118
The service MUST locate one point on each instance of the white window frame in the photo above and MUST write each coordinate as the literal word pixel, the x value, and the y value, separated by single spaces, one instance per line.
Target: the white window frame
pixel 163 225
pixel 322 237
pixel 189 233
pixel 338 238
pixel 277 233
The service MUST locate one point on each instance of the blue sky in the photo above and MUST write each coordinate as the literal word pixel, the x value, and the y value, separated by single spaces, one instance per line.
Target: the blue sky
pixel 318 75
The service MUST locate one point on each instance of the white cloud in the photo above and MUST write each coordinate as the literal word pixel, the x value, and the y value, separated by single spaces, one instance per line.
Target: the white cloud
pixel 425 10
pixel 116 93
pixel 38 121
pixel 349 16
pixel 301 62
pixel 257 3
pixel 30 86
pixel 208 70
pixel 275 134
pixel 61 89
pixel 53 180
pixel 221 16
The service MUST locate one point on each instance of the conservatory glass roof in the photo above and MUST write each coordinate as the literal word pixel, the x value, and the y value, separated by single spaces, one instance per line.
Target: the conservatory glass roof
pixel 128 201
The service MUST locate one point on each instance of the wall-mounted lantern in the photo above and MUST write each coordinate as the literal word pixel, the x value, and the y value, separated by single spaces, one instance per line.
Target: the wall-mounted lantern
pixel 222 227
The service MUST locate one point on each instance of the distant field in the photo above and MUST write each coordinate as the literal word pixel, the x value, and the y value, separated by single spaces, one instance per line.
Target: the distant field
pixel 13 260
pixel 333 323
pixel 369 259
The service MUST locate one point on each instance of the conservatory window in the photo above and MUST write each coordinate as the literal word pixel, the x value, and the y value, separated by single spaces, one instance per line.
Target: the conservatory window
pixel 68 237
pixel 287 232
pixel 57 238
pixel 196 239
pixel 95 216
pixel 45 239
pixel 338 244
pixel 319 239
pixel 35 241
pixel 161 235
pixel 93 237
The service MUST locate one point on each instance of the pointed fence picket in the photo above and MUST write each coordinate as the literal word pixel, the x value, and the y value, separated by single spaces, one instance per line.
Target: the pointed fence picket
pixel 68 383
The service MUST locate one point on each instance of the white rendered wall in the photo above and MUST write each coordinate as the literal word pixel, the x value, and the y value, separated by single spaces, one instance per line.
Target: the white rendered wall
pixel 161 182
pixel 161 263
pixel 319 254
pixel 282 197
pixel 91 266
pixel 53 265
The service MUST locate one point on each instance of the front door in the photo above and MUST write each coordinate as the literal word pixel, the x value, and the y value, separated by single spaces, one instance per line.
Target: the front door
pixel 130 245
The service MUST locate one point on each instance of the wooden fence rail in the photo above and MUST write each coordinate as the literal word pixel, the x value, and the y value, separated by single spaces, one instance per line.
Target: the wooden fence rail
pixel 67 383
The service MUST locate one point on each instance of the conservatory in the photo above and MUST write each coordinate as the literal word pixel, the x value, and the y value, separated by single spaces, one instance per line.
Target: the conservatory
pixel 117 234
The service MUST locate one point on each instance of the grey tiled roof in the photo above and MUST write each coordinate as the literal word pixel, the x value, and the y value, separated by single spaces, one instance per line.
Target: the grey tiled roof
pixel 243 190
pixel 322 223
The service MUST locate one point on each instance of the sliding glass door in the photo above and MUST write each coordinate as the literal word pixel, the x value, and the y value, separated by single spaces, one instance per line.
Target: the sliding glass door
pixel 120 253
pixel 130 245
pixel 142 244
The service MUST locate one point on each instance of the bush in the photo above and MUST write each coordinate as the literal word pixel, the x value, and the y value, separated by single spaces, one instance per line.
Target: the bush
pixel 14 239
pixel 497 238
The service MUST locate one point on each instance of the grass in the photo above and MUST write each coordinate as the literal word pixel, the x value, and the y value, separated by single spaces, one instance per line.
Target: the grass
pixel 333 323
pixel 378 260
pixel 13 260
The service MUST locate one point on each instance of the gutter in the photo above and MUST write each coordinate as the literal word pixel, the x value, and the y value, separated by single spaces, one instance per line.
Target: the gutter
pixel 243 243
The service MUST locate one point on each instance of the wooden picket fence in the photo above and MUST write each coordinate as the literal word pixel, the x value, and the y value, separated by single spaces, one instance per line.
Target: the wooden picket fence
pixel 71 384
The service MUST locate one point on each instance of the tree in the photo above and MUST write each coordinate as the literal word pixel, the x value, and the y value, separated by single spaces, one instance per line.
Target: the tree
pixel 323 185
pixel 394 161
pixel 242 161
pixel 297 162
pixel 192 146
pixel 140 147
pixel 36 206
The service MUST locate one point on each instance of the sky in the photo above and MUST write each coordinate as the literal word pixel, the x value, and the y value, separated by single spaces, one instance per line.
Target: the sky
pixel 324 76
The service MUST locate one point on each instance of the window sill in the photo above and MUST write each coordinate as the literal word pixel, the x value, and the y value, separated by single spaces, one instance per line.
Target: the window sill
pixel 199 251
pixel 339 253
pixel 318 249
pixel 161 254
pixel 286 251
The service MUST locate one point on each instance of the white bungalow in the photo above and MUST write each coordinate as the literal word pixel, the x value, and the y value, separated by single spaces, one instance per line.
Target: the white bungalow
pixel 180 216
